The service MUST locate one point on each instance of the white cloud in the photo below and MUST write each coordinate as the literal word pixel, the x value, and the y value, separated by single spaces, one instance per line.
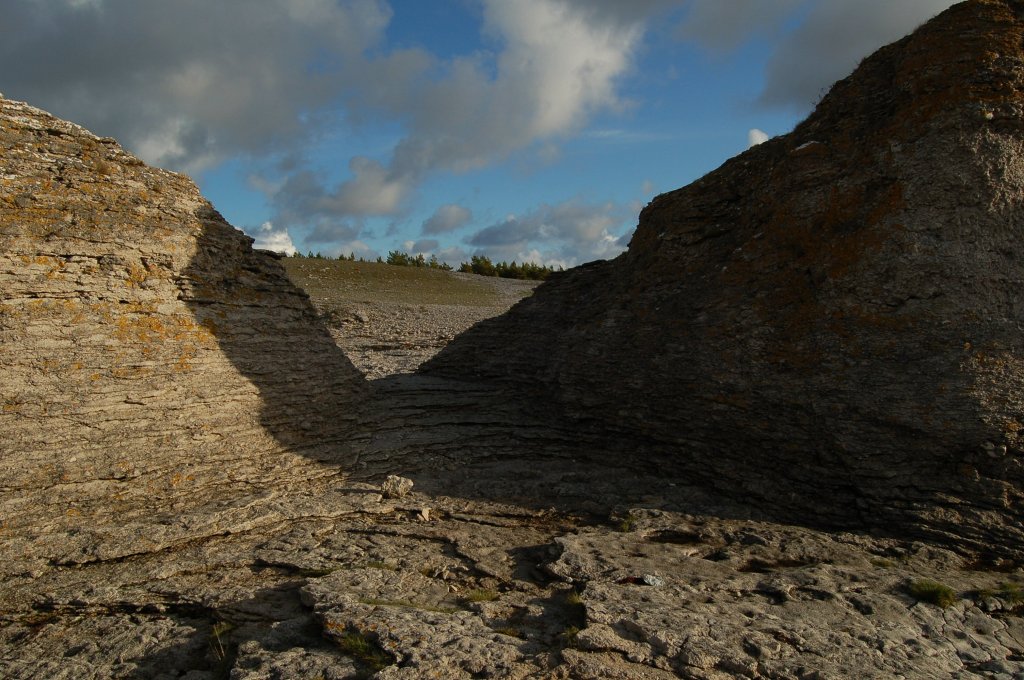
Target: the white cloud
pixel 270 238
pixel 755 137
pixel 447 218
pixel 454 255
pixel 187 84
pixel 826 45
pixel 832 39
pixel 424 246
pixel 373 190
pixel 567 233
pixel 558 63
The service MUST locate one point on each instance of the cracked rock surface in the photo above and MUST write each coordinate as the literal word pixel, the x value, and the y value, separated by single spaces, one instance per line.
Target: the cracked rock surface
pixel 192 470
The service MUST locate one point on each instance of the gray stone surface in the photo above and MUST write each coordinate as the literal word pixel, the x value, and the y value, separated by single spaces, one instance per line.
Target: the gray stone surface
pixel 190 469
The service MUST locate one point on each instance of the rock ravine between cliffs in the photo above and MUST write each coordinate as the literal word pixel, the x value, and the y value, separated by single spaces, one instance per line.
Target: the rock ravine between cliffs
pixel 778 438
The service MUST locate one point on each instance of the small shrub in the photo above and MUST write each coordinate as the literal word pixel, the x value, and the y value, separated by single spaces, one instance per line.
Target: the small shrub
pixel 926 590
pixel 627 523
pixel 1012 593
pixel 569 636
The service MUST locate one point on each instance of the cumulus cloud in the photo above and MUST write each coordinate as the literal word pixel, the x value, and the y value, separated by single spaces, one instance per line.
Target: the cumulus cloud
pixel 268 237
pixel 188 83
pixel 838 34
pixel 558 63
pixel 824 47
pixel 567 234
pixel 333 231
pixel 447 218
pixel 722 26
pixel 424 246
pixel 755 137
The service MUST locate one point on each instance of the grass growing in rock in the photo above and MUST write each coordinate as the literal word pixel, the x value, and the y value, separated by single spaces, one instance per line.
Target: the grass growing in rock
pixel 364 650
pixel 481 595
pixel 1012 593
pixel 926 590
pixel 221 648
pixel 627 523
pixel 569 635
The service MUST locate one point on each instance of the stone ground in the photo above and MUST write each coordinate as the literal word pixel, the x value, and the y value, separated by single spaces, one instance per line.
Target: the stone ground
pixel 523 560
pixel 387 338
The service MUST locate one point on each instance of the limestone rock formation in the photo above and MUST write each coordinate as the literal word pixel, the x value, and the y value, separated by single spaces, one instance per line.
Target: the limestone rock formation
pixel 830 323
pixel 178 431
pixel 142 343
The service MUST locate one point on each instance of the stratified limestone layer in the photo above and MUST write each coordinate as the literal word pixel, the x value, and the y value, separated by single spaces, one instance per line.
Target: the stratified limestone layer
pixel 830 323
pixel 148 356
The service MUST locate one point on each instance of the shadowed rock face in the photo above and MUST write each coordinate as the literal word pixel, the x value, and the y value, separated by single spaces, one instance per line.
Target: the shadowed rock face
pixel 830 323
pixel 142 345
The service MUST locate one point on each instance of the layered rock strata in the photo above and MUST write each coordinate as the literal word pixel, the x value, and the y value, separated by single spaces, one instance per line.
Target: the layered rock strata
pixel 148 356
pixel 177 426
pixel 830 323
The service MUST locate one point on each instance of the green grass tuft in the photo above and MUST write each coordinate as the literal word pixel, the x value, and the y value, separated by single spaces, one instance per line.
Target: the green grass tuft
pixel 363 650
pixel 926 590
pixel 481 595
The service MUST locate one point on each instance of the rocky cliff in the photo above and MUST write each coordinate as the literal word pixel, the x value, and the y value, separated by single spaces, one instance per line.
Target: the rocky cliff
pixel 142 343
pixel 830 323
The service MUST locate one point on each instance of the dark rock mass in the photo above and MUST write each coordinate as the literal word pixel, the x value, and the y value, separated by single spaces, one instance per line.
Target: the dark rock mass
pixel 830 324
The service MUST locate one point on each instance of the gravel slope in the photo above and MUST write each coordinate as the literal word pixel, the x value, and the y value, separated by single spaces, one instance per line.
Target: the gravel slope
pixel 391 319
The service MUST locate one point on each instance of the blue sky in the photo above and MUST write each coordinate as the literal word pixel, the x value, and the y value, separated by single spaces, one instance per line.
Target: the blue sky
pixel 518 129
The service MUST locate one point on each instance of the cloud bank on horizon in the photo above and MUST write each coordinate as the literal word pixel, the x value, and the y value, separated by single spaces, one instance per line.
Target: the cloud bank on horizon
pixel 353 127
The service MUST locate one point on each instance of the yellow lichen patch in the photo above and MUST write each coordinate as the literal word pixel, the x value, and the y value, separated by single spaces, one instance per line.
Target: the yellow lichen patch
pixel 184 362
pixel 179 478
pixel 131 328
pixel 137 275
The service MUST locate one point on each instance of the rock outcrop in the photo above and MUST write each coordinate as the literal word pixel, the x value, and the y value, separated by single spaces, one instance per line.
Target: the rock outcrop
pixel 142 351
pixel 828 325
pixel 823 331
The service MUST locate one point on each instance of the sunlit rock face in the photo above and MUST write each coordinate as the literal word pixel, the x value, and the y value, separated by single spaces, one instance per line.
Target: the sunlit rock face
pixel 148 356
pixel 830 324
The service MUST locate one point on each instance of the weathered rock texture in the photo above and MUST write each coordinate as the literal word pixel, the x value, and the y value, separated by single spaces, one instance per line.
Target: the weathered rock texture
pixel 142 349
pixel 828 327
pixel 830 323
